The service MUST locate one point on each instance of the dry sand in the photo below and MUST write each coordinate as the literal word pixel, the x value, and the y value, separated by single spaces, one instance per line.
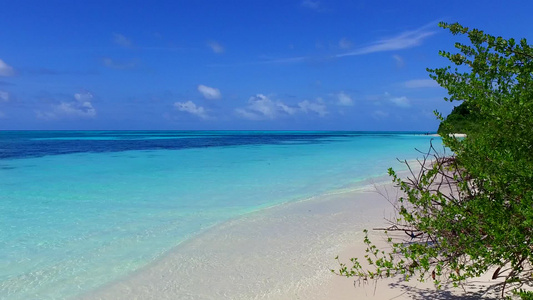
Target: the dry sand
pixel 284 252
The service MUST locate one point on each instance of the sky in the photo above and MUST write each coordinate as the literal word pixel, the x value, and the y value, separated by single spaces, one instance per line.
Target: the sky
pixel 235 64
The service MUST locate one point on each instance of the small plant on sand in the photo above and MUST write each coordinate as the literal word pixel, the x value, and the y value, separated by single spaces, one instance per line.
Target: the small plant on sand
pixel 470 213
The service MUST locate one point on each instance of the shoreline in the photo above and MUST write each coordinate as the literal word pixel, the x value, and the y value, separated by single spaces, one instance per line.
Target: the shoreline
pixel 280 252
pixel 308 211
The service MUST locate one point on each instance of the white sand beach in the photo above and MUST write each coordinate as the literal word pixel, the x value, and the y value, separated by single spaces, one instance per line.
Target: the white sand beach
pixel 285 252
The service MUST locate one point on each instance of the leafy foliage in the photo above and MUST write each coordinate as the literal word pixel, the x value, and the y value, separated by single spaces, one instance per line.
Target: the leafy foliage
pixel 461 120
pixel 472 212
pixel 524 295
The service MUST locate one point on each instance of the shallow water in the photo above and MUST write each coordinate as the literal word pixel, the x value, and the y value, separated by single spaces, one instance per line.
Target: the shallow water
pixel 81 209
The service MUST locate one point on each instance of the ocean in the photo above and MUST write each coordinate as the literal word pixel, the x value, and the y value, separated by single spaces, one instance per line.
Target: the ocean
pixel 80 209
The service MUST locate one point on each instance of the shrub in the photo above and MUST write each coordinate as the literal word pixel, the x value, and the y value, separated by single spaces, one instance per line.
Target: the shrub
pixel 470 212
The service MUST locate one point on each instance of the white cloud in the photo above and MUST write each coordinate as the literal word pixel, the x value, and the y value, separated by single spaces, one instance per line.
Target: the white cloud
pixel 399 60
pixel 121 40
pixel 344 100
pixel 209 92
pixel 421 83
pixel 286 109
pixel 311 4
pixel 316 107
pixel 216 47
pixel 83 97
pixel 401 101
pixel 260 107
pixel 191 108
pixel 404 40
pixel 344 43
pixel 80 108
pixel 249 115
pixel 5 69
pixel 4 96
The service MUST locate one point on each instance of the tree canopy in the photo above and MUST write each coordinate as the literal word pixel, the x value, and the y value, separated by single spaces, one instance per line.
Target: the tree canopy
pixel 471 212
pixel 462 119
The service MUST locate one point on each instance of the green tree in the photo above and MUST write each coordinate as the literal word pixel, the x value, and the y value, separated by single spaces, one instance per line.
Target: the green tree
pixel 472 212
pixel 462 119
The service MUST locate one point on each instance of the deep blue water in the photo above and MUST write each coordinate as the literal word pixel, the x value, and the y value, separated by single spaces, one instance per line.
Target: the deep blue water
pixel 21 144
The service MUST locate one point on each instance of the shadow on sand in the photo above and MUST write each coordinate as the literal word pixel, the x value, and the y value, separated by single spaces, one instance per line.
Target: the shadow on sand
pixel 469 291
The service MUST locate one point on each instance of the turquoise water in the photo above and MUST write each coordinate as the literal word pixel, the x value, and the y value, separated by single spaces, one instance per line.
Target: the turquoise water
pixel 80 209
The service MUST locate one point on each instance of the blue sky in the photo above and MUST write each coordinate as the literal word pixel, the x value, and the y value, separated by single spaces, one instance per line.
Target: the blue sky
pixel 248 64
